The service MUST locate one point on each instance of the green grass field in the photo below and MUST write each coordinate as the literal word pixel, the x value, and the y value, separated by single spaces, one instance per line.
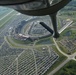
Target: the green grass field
pixel 68 69
pixel 22 41
pixel 62 48
pixel 17 43
pixel 8 18
pixel 45 41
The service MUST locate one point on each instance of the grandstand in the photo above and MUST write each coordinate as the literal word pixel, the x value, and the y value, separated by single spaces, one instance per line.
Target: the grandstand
pixel 31 28
pixel 17 61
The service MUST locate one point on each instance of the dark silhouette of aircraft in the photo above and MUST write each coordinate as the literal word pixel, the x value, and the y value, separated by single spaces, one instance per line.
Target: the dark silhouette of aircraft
pixel 38 8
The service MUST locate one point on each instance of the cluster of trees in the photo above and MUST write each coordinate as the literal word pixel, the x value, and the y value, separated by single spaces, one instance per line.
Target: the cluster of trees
pixel 70 9
pixel 68 69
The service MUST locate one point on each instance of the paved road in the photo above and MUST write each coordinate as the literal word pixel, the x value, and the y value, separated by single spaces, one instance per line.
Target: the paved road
pixel 58 68
pixel 16 44
pixel 6 15
pixel 64 27
pixel 70 57
pixel 59 48
pixel 8 26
